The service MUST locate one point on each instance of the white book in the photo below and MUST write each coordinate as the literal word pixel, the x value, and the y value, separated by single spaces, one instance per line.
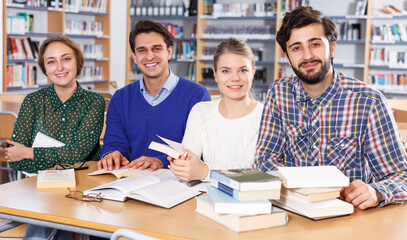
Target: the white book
pixel 316 210
pixel 313 176
pixel 223 203
pixel 149 189
pixel 173 149
pixel 56 178
pixel 241 222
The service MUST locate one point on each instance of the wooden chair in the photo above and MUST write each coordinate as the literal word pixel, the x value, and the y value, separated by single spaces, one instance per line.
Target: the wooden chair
pixel 7 121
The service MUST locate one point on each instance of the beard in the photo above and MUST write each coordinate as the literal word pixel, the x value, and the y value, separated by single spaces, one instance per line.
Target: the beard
pixel 315 77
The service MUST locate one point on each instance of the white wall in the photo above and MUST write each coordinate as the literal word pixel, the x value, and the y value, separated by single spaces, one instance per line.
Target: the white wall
pixel 118 41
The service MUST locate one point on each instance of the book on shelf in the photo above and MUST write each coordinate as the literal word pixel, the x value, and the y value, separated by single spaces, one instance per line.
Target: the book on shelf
pixel 246 179
pixel 310 195
pixel 148 188
pixel 361 8
pixel 223 203
pixel 172 149
pixel 315 210
pixel 21 75
pixel 56 178
pixel 128 172
pixel 393 10
pixel 312 176
pixel 246 195
pixel 242 222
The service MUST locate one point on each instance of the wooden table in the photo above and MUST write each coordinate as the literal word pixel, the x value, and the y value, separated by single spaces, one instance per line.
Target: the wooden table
pixel 21 201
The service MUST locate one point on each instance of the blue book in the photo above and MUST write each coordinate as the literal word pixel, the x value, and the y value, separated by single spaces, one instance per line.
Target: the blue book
pixel 246 195
pixel 246 179
pixel 223 203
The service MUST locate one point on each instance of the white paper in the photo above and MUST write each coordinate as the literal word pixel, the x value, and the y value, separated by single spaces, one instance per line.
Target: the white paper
pixel 42 140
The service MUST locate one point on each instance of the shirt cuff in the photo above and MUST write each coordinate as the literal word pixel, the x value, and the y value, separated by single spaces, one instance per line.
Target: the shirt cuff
pixel 208 178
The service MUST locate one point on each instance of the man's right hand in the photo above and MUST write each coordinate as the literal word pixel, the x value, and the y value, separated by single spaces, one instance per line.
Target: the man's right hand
pixel 112 161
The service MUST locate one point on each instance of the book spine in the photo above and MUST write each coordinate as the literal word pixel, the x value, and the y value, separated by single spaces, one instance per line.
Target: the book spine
pixel 228 190
pixel 225 180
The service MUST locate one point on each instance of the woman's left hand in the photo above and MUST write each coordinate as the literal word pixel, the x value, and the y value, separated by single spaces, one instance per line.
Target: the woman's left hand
pixel 18 152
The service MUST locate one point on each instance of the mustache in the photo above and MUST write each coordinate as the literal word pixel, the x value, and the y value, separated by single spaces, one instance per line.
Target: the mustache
pixel 312 61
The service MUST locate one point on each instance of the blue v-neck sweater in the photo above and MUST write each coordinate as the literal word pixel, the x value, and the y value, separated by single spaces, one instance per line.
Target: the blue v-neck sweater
pixel 132 123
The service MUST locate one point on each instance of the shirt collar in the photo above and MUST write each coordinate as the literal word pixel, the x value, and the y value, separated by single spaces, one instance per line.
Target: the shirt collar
pixel 169 84
pixel 56 103
pixel 324 99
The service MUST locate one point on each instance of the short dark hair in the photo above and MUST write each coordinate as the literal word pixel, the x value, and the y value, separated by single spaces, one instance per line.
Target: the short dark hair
pixel 301 17
pixel 68 42
pixel 147 26
pixel 236 46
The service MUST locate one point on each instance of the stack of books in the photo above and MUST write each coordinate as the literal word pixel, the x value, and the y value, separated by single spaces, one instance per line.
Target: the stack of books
pixel 313 191
pixel 239 200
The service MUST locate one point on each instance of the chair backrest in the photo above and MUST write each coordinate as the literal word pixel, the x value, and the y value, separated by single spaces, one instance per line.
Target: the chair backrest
pixel 107 101
pixel 7 121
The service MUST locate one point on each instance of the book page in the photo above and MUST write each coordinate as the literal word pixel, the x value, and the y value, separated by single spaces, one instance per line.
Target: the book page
pixel 202 186
pixel 129 172
pixel 174 145
pixel 126 185
pixel 42 140
pixel 166 194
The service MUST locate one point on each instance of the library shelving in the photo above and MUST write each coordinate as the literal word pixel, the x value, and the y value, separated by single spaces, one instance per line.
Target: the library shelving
pixel 26 26
pixel 355 19
pixel 181 21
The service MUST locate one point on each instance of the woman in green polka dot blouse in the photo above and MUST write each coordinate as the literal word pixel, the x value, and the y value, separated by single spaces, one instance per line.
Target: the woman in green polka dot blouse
pixel 63 111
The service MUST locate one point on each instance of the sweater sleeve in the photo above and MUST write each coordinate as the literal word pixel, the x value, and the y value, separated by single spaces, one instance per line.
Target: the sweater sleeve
pixel 193 133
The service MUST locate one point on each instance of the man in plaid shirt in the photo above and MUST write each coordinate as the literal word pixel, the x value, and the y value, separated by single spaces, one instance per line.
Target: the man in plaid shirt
pixel 321 117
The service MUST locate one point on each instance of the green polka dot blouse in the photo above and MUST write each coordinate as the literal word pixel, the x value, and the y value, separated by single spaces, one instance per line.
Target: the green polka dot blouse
pixel 78 123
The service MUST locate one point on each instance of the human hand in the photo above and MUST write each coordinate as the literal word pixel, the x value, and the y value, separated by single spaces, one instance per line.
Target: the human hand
pixel 112 160
pixel 18 152
pixel 361 195
pixel 189 168
pixel 144 162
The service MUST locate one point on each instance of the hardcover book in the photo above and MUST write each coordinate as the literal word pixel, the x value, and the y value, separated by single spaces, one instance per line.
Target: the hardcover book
pixel 246 195
pixel 311 195
pixel 241 222
pixel 316 210
pixel 313 176
pixel 56 178
pixel 223 203
pixel 246 179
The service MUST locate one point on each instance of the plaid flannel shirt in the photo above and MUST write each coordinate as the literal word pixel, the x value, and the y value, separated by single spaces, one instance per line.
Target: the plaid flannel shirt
pixel 350 125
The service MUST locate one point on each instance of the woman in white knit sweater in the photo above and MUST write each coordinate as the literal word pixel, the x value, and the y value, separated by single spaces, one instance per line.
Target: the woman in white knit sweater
pixel 223 133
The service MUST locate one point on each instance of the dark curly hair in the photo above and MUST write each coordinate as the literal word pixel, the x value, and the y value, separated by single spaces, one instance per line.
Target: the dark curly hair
pixel 301 17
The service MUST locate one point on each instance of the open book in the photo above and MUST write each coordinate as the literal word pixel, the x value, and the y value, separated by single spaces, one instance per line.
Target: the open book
pixel 173 149
pixel 129 172
pixel 149 189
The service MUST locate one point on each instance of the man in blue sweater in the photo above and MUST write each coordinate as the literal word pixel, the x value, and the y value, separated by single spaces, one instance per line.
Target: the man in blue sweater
pixel 159 103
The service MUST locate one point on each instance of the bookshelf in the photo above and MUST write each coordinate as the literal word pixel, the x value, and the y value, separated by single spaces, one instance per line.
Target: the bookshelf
pixel 176 17
pixel 354 52
pixel 88 26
